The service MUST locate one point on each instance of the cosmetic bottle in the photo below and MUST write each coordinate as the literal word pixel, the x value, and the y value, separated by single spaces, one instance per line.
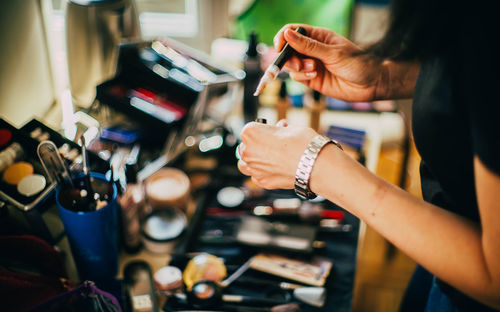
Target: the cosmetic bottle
pixel 131 203
pixel 315 108
pixel 251 66
pixel 283 104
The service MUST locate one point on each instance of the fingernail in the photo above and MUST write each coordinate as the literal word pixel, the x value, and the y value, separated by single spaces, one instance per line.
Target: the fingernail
pixel 308 66
pixel 311 74
pixel 291 34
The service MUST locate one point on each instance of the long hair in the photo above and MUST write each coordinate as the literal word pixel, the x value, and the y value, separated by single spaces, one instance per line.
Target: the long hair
pixel 418 29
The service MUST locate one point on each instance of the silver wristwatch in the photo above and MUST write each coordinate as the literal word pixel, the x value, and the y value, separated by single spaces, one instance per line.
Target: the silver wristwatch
pixel 306 164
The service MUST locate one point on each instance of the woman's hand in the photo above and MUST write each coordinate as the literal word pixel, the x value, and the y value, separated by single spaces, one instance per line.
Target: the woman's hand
pixel 270 154
pixel 328 63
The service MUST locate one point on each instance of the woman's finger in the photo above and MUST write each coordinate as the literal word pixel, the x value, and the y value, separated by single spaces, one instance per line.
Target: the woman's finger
pixel 282 123
pixel 279 38
pixel 297 64
pixel 244 168
pixel 302 76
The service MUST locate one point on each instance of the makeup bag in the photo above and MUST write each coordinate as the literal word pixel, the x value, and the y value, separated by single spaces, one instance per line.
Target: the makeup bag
pixel 33 277
pixel 31 272
pixel 85 298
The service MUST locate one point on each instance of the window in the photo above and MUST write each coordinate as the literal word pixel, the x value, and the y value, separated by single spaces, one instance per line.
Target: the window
pixel 176 18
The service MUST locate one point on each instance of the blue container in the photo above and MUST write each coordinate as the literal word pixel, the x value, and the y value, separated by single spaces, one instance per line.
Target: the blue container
pixel 93 238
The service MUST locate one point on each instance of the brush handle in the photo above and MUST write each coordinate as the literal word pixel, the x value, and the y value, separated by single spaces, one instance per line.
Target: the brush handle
pixel 251 300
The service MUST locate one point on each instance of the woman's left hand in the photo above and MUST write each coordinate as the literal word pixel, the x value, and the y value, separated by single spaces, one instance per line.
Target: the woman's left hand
pixel 270 154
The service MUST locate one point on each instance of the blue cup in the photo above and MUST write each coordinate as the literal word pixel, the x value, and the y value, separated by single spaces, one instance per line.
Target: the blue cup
pixel 93 237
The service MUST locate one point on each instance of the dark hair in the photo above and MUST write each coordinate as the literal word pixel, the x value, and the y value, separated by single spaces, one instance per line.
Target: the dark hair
pixel 418 29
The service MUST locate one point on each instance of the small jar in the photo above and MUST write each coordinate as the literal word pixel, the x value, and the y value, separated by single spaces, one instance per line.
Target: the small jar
pixel 168 188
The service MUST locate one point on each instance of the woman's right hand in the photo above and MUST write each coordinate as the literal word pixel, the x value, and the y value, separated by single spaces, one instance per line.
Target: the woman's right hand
pixel 327 64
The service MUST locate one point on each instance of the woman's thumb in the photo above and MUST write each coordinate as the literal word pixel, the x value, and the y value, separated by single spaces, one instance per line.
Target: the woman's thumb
pixel 305 45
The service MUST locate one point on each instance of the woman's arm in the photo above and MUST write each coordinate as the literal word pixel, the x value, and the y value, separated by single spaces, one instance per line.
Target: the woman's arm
pixel 461 253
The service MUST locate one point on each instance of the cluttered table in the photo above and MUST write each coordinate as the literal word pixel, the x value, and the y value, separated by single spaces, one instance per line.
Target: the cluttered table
pixel 154 209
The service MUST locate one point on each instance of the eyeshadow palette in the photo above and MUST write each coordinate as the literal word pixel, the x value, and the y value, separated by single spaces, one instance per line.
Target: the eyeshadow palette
pixel 23 181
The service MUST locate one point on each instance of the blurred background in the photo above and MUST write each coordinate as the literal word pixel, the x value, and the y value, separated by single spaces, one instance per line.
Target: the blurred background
pixel 35 71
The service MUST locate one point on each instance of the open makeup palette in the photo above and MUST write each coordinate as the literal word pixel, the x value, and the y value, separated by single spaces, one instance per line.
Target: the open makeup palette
pixel 24 182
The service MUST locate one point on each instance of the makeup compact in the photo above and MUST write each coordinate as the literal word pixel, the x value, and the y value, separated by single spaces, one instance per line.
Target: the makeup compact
pixel 204 267
pixel 161 229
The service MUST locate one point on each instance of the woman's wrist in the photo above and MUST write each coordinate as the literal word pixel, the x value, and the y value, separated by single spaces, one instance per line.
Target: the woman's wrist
pixel 320 181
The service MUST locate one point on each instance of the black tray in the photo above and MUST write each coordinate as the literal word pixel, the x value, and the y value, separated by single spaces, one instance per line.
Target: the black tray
pixel 9 193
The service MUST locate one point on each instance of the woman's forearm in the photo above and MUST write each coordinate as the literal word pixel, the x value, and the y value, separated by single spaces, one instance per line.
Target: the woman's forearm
pixel 448 245
pixel 397 80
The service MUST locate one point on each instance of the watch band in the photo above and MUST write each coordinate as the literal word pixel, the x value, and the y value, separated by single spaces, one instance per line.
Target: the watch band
pixel 306 163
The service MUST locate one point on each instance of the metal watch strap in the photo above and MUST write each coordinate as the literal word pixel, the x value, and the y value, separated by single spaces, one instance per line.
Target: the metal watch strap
pixel 306 163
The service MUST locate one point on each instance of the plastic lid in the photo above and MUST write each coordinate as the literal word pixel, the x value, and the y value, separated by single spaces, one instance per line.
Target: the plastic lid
pixel 168 278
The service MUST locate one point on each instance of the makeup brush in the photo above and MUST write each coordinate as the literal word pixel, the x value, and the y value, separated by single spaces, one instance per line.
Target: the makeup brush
pixel 86 177
pixel 289 307
pixel 273 70
pixel 314 296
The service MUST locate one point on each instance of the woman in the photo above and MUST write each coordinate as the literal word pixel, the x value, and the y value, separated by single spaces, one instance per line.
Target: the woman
pixel 441 54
